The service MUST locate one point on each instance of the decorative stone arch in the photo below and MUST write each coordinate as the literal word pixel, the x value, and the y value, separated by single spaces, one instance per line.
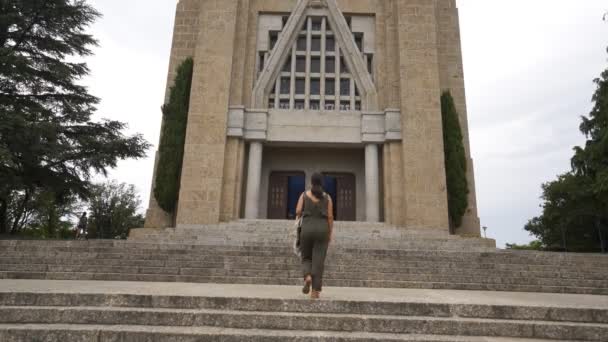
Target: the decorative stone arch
pixel 282 50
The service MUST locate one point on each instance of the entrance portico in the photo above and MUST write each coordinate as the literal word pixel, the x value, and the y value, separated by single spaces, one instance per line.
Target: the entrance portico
pixel 343 170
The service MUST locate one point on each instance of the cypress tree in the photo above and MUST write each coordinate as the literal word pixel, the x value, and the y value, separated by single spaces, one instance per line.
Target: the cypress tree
pixel 173 138
pixel 455 161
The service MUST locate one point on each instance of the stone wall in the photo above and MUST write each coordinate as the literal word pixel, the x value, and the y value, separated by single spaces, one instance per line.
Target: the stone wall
pixel 425 190
pixel 185 34
pixel 204 155
pixel 452 79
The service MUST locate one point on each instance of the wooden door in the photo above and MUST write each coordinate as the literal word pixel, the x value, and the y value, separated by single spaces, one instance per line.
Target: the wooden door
pixel 346 198
pixel 277 196
pixel 283 192
pixel 342 189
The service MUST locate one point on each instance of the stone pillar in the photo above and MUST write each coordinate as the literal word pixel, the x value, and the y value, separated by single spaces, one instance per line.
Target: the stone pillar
pixel 372 191
pixel 184 42
pixel 425 203
pixel 254 174
pixel 452 79
pixel 204 150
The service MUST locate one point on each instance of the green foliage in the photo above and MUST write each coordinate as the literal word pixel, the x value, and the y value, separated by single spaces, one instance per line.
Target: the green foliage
pixel 113 211
pixel 455 161
pixel 532 246
pixel 575 206
pixel 48 143
pixel 173 138
pixel 51 217
pixel 45 215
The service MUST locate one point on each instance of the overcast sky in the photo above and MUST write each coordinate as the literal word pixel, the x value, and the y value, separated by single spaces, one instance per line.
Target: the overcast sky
pixel 529 66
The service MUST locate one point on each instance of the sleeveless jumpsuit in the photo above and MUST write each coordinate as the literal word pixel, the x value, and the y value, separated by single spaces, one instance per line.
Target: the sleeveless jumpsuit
pixel 314 239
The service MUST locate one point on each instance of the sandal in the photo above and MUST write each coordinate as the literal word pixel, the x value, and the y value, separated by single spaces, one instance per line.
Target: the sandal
pixel 307 284
pixel 315 294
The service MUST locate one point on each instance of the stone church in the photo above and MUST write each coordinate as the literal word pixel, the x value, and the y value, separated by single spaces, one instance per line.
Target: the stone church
pixel 348 88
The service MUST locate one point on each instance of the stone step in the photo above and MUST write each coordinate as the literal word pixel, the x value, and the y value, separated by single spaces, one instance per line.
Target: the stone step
pixel 598 261
pixel 334 257
pixel 458 276
pixel 288 224
pixel 506 262
pixel 386 245
pixel 134 247
pixel 283 233
pixel 501 285
pixel 288 229
pixel 306 321
pixel 123 260
pixel 99 333
pixel 228 231
pixel 174 266
pixel 279 238
pixel 419 245
pixel 263 264
pixel 390 302
pixel 278 232
pixel 29 309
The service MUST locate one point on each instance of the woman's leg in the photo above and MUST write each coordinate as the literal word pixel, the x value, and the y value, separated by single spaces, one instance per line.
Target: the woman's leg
pixel 319 253
pixel 306 246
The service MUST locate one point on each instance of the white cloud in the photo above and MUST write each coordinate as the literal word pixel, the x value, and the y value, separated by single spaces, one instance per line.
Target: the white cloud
pixel 529 67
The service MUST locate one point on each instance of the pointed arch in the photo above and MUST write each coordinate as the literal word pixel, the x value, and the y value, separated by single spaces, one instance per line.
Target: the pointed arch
pixel 344 39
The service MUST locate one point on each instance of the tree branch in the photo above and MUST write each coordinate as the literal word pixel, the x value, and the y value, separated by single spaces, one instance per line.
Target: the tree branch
pixel 21 39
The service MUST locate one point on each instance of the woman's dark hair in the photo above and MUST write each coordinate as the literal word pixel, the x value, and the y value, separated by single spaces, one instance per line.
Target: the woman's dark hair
pixel 317 185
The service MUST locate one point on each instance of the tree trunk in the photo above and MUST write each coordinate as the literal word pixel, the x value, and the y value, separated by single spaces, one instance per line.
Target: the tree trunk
pixel 20 212
pixel 598 225
pixel 3 216
pixel 602 243
pixel 564 245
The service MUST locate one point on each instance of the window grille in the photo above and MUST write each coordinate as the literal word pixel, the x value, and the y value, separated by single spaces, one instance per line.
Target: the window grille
pixel 316 76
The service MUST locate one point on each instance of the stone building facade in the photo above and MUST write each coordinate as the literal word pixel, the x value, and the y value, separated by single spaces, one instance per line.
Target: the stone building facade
pixel 348 88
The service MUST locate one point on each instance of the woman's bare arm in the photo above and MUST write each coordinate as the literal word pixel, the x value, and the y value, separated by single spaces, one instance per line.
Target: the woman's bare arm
pixel 330 218
pixel 300 207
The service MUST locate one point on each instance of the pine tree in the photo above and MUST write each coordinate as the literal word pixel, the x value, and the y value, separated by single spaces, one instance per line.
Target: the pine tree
pixel 47 139
pixel 173 138
pixel 455 161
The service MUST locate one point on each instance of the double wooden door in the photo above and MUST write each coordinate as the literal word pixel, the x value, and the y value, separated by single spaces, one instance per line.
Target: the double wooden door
pixel 285 188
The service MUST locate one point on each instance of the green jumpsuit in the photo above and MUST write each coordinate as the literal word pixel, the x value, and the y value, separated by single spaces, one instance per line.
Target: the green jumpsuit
pixel 314 239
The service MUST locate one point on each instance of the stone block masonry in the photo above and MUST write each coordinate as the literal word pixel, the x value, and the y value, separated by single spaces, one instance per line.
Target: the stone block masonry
pixel 202 176
pixel 185 35
pixel 423 160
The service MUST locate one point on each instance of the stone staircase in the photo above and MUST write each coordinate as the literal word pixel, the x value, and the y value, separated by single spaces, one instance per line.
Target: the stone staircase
pixel 123 311
pixel 269 264
pixel 360 235
pixel 234 282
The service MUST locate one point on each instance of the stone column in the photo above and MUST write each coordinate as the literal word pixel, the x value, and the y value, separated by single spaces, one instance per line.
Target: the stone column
pixel 204 150
pixel 254 174
pixel 425 203
pixel 372 191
